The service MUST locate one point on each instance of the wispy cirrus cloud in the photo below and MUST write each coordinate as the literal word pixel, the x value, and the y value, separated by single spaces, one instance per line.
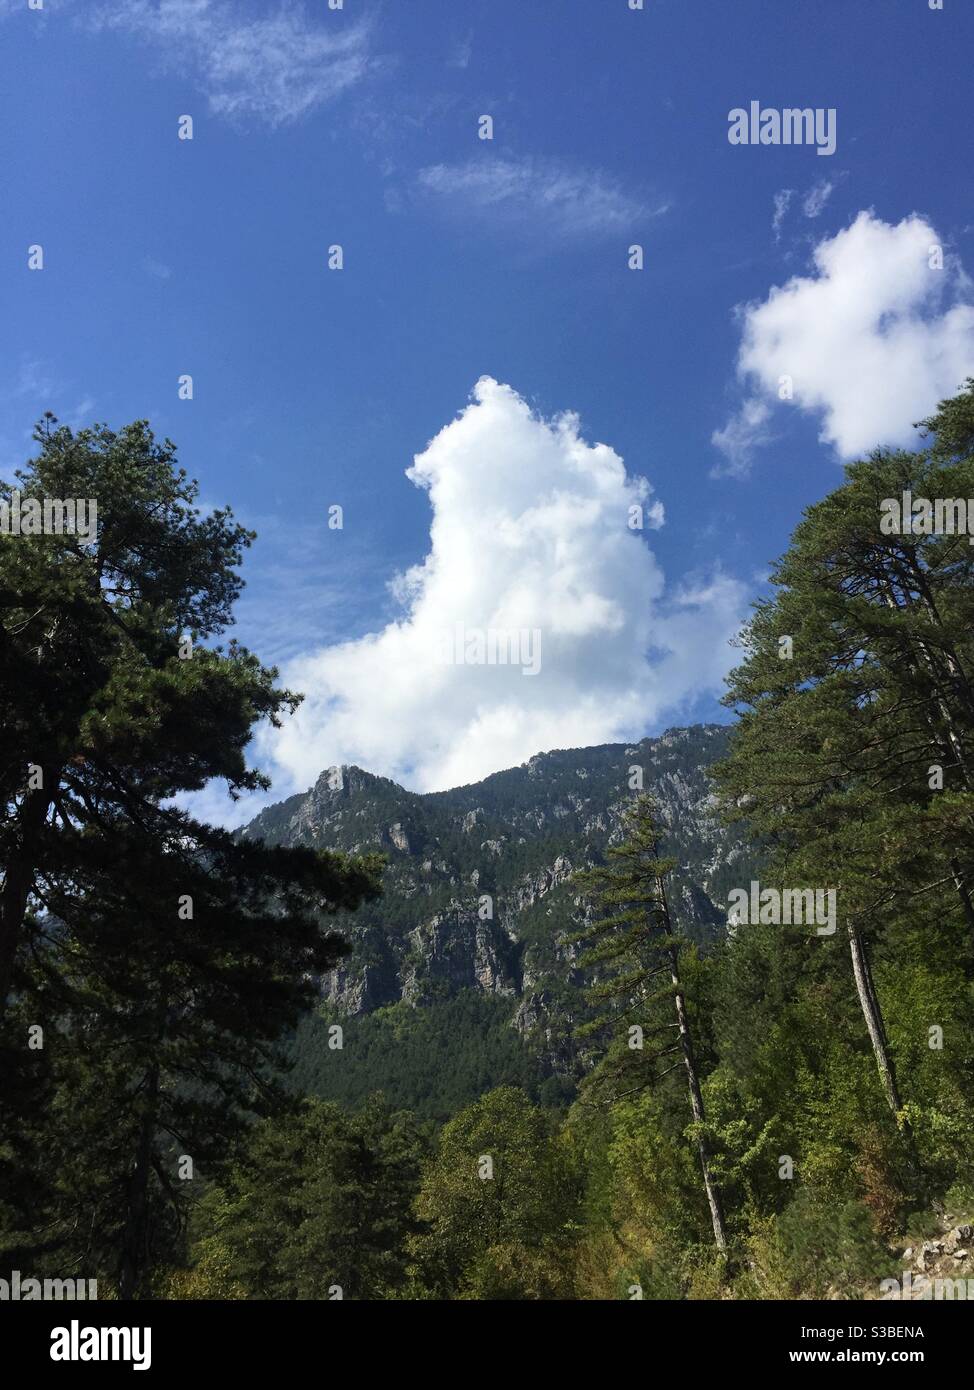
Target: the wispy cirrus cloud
pixel 570 201
pixel 782 202
pixel 816 197
pixel 32 388
pixel 250 64
pixel 812 203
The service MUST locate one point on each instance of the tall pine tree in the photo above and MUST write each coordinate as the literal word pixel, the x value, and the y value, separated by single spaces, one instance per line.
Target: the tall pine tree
pixel 852 758
pixel 638 994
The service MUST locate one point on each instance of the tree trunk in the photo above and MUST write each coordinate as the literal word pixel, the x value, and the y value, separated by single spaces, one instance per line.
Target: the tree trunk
pixel 18 875
pixel 869 1002
pixel 132 1265
pixel 696 1098
pixel 874 1022
pixel 964 895
pixel 696 1105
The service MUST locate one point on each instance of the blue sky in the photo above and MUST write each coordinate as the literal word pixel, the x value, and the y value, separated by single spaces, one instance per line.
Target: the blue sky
pixel 466 258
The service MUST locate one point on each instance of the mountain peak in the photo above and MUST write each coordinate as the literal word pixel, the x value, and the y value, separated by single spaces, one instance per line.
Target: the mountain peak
pixel 479 902
pixel 347 779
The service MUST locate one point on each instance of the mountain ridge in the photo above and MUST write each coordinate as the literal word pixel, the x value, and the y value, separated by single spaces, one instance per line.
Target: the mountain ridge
pixel 479 897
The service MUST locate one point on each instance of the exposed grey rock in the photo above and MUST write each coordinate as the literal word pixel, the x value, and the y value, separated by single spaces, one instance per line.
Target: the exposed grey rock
pixel 498 913
pixel 960 1235
pixel 399 838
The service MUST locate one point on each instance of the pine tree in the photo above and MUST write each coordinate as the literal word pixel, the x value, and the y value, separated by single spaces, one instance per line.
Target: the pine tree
pixel 638 993
pixel 318 1201
pixel 162 958
pixel 109 700
pixel 165 976
pixel 853 754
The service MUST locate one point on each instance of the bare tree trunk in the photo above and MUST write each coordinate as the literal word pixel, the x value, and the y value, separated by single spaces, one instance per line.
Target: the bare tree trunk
pixel 869 1002
pixel 874 1022
pixel 696 1105
pixel 693 1083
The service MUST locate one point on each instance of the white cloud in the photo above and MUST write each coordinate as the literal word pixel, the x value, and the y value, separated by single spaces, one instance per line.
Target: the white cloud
pixel 570 201
pixel 870 342
pixel 812 204
pixel 277 68
pixel 816 197
pixel 782 201
pixel 529 531
pixel 744 432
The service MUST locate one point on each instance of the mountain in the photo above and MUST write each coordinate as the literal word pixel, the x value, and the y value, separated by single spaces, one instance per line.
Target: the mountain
pixel 461 977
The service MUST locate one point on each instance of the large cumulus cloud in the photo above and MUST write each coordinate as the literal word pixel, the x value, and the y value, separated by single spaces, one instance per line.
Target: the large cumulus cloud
pixel 529 533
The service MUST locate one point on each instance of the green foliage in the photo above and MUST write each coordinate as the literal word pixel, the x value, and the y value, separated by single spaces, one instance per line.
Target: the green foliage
pixel 317 1206
pixel 817 1250
pixel 499 1203
pixel 828 1140
pixel 831 764
pixel 435 1060
pixel 631 944
pixel 655 1173
pixel 639 998
pixel 162 957
pixel 503 836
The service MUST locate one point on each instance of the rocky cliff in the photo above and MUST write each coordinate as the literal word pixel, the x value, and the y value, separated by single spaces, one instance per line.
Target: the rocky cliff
pixel 478 892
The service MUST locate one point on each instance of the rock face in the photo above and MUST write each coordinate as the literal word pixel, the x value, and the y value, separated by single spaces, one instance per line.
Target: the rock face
pixel 938 1269
pixel 478 891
